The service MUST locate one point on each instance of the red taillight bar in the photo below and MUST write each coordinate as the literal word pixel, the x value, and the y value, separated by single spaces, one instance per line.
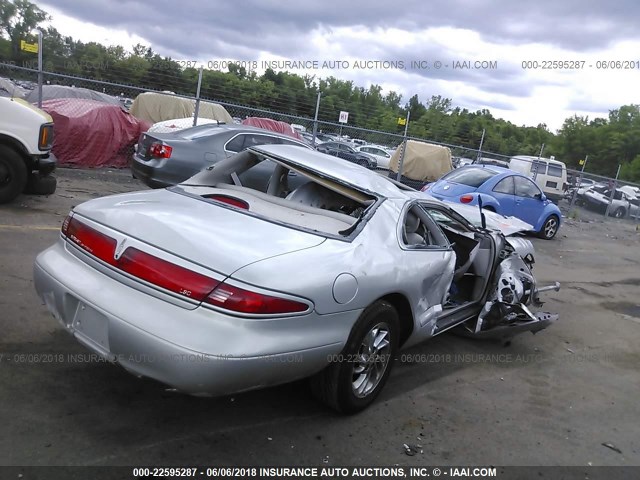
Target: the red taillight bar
pixel 90 240
pixel 142 265
pixel 175 278
pixel 240 300
pixel 160 150
pixel 166 274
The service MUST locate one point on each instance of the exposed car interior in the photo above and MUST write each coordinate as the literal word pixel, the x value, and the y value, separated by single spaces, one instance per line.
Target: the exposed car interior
pixel 282 192
pixel 427 227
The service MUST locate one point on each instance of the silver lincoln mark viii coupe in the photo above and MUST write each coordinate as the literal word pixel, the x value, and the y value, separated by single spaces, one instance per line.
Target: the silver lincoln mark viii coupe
pixel 231 281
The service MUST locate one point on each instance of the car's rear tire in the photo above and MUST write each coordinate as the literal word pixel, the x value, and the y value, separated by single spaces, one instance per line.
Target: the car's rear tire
pixel 41 184
pixel 550 227
pixel 619 213
pixel 355 378
pixel 13 174
pixel 489 209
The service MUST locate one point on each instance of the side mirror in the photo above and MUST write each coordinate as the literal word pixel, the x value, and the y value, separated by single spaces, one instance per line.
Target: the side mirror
pixel 541 196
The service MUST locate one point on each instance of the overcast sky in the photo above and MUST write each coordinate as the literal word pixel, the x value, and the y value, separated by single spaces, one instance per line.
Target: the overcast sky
pixel 506 32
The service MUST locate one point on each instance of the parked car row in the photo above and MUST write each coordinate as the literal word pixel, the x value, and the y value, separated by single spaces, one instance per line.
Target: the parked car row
pixel 164 159
pixel 503 191
pixel 620 202
pixel 347 152
pixel 549 174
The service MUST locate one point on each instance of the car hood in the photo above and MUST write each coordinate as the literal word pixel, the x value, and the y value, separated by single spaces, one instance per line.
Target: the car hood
pixel 213 236
pixel 494 221
pixel 593 195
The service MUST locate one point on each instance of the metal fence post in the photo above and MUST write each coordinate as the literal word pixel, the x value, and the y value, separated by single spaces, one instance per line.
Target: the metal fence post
pixel 613 191
pixel 479 156
pixel 404 147
pixel 578 182
pixel 537 164
pixel 197 108
pixel 40 77
pixel 315 119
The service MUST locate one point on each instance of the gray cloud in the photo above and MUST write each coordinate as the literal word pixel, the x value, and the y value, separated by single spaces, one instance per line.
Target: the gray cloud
pixel 475 104
pixel 280 27
pixel 583 105
pixel 224 29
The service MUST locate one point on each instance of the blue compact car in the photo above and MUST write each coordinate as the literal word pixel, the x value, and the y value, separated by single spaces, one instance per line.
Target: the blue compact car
pixel 501 190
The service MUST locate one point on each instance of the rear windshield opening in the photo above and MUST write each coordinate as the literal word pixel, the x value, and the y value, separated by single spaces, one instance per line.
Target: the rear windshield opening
pixel 286 193
pixel 472 177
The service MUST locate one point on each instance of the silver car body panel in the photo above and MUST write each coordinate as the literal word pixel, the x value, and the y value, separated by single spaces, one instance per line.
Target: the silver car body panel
pixel 178 224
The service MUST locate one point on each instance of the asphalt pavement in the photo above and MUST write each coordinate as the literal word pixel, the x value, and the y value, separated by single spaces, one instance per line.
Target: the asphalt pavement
pixel 554 398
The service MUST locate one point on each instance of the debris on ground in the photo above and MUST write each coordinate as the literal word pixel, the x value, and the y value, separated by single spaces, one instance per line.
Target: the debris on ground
pixel 612 447
pixel 411 450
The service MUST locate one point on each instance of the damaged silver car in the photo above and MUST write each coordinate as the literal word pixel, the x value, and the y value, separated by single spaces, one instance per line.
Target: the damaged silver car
pixel 231 282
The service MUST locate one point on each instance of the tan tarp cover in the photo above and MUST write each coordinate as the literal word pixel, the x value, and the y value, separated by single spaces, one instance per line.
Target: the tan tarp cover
pixel 157 107
pixel 423 162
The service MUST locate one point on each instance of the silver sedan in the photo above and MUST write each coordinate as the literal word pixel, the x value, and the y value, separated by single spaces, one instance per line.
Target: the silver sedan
pixel 214 287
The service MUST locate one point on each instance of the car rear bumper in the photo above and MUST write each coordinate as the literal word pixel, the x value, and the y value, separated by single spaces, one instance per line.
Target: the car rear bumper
pixel 161 173
pixel 100 312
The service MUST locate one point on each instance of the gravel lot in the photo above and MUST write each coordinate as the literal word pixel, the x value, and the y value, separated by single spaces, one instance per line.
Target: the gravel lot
pixel 549 399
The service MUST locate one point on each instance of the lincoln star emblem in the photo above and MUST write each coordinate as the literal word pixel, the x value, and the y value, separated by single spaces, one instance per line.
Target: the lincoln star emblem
pixel 119 250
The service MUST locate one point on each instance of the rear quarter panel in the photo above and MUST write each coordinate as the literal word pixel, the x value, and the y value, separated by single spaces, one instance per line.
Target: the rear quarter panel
pixel 374 258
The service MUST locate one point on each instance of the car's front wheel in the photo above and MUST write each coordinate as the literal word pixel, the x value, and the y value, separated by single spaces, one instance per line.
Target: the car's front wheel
pixel 13 174
pixel 550 228
pixel 356 376
pixel 619 213
pixel 41 184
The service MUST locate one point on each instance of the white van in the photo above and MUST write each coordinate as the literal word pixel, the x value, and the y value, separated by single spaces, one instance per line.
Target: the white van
pixel 548 173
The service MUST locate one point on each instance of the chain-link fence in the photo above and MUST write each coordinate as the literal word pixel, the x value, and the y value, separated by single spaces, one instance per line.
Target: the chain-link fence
pixel 113 143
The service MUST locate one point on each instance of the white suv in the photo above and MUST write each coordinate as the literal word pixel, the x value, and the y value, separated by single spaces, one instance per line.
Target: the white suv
pixel 548 173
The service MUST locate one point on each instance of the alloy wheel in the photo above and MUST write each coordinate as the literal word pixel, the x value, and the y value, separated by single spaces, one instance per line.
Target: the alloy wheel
pixel 372 360
pixel 551 227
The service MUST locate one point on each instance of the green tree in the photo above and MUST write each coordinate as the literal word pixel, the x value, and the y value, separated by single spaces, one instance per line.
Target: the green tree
pixel 18 19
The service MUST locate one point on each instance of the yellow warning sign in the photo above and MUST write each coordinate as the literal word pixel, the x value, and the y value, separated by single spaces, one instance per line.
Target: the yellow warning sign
pixel 28 47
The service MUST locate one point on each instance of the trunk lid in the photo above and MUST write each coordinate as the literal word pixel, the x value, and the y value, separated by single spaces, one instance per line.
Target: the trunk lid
pixel 218 238
pixel 147 139
pixel 450 189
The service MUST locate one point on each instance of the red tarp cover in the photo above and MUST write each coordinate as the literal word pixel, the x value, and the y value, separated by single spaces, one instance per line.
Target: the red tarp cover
pixel 89 133
pixel 273 125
